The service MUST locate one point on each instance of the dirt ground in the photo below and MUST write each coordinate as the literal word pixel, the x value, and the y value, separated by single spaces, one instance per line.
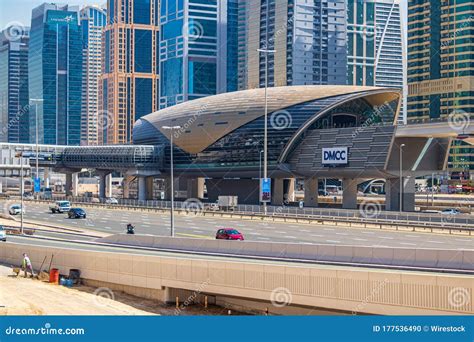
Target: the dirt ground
pixel 27 296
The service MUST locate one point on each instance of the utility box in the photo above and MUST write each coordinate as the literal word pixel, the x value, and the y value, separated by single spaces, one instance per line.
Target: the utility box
pixel 227 202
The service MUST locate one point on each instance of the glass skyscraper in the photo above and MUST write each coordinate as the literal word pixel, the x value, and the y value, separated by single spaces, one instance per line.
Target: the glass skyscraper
pixel 129 84
pixel 310 39
pixel 93 20
pixel 55 74
pixel 375 44
pixel 198 49
pixel 440 71
pixel 14 43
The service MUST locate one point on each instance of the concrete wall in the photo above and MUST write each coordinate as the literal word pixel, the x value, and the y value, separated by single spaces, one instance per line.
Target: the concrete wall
pixel 394 256
pixel 338 288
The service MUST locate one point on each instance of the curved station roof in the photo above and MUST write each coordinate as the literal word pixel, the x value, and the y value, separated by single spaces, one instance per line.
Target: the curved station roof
pixel 227 129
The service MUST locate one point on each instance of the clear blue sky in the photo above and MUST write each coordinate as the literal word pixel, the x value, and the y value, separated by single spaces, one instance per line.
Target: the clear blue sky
pixel 20 10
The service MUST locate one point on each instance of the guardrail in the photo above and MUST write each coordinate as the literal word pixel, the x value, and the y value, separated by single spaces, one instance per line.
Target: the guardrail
pixel 442 259
pixel 375 210
pixel 431 226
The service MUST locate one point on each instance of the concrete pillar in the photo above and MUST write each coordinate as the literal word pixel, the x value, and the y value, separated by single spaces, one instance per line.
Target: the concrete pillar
pixel 75 184
pixel 72 184
pixel 126 186
pixel 195 188
pixel 277 191
pixel 102 185
pixel 392 194
pixel 149 187
pixel 311 192
pixel 349 193
pixel 108 185
pixel 290 194
pixel 47 179
pixel 142 188
pixel 68 186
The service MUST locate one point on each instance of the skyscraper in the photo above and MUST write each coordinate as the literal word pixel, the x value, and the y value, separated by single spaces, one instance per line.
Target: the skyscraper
pixel 14 42
pixel 309 37
pixel 375 44
pixel 198 49
pixel 440 74
pixel 129 85
pixel 93 20
pixel 55 74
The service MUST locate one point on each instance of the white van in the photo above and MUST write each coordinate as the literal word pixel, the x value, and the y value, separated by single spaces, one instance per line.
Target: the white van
pixel 60 207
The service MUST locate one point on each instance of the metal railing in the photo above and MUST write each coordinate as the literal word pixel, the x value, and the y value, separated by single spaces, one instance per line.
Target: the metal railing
pixel 195 206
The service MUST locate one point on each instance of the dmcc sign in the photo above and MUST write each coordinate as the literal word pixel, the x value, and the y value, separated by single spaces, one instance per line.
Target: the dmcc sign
pixel 335 155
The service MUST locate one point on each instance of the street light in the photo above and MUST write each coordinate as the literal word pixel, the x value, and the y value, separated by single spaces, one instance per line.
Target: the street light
pixel 172 128
pixel 401 176
pixel 20 155
pixel 265 134
pixel 36 137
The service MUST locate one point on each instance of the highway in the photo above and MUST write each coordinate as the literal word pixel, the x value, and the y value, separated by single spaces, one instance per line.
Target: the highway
pixel 154 223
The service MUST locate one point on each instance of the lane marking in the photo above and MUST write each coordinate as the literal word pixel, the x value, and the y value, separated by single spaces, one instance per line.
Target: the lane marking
pixel 333 241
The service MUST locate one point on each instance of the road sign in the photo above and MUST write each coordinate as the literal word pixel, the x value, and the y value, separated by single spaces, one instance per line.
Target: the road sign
pixel 265 190
pixel 37 185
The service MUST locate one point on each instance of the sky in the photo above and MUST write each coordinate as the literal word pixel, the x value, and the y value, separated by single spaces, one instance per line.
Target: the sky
pixel 20 10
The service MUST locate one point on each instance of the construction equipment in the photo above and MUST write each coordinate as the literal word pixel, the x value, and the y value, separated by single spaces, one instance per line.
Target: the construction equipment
pixel 40 276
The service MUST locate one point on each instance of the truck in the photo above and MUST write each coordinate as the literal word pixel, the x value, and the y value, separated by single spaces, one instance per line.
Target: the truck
pixel 227 202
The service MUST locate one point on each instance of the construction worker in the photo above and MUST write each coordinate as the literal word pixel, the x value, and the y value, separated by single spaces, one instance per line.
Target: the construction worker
pixel 26 265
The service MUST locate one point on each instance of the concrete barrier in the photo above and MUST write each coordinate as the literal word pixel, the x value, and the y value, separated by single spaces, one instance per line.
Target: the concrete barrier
pixel 371 291
pixel 420 257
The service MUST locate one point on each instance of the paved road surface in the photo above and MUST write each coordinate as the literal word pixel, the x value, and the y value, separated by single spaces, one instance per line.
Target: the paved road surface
pixel 114 221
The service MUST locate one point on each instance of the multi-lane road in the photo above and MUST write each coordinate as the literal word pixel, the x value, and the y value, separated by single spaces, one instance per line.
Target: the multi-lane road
pixel 155 223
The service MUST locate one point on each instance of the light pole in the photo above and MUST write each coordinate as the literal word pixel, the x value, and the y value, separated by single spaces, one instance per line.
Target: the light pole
pixel 265 133
pixel 36 137
pixel 260 167
pixel 171 129
pixel 401 176
pixel 20 155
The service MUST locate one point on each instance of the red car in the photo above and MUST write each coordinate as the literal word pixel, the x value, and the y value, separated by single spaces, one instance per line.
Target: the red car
pixel 229 234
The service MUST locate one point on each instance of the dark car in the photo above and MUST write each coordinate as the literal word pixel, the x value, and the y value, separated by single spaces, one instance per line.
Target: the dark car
pixel 76 213
pixel 229 234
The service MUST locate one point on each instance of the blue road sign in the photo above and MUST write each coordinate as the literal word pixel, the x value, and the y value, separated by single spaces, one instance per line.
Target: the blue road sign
pixel 266 190
pixel 37 184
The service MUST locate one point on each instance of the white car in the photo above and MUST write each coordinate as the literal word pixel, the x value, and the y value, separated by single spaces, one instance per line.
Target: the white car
pixel 16 209
pixel 3 234
pixel 111 200
pixel 450 211
pixel 60 207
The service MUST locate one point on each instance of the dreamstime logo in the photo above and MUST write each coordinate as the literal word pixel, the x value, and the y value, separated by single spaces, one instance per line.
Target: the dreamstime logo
pixel 193 30
pixel 281 297
pixel 369 209
pixel 281 120
pixel 14 31
pixel 369 31
pixel 193 206
pixel 103 295
pixel 105 120
pixel 458 297
pixel 458 120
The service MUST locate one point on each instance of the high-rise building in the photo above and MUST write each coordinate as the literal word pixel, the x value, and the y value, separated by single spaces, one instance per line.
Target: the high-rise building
pixel 14 106
pixel 375 44
pixel 440 74
pixel 309 37
pixel 55 74
pixel 129 85
pixel 93 21
pixel 198 49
